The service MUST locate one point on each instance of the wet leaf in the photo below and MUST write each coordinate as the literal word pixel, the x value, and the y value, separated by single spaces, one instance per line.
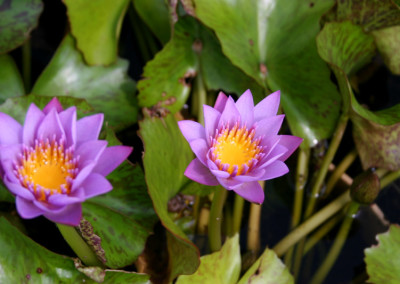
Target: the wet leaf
pixel 388 41
pixel 193 49
pixel 96 26
pixel 156 15
pixel 165 146
pixel 268 269
pixel 18 19
pixel 107 89
pixel 22 260
pixel 383 263
pixel 11 84
pixel 370 14
pixel 219 267
pixel 116 276
pixel 254 36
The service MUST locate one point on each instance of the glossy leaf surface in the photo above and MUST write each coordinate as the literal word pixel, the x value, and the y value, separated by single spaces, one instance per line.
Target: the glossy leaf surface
pixel 11 84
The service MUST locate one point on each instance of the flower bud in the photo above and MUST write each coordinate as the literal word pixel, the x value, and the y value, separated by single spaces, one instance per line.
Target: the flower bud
pixel 365 187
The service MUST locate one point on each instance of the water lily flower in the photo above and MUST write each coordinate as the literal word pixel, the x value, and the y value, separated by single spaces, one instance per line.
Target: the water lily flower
pixel 54 162
pixel 239 144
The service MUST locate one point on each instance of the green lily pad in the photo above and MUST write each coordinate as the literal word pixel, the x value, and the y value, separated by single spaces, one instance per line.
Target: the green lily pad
pixel 254 36
pixel 219 267
pixel 388 40
pixel 193 49
pixel 96 26
pixel 383 262
pixel 11 84
pixel 346 46
pixel 117 276
pixel 23 261
pixel 370 15
pixel 268 269
pixel 166 149
pixel 17 19
pixel 156 15
pixel 107 89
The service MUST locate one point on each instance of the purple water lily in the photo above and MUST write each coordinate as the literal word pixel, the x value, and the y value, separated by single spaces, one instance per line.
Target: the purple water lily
pixel 239 145
pixel 54 162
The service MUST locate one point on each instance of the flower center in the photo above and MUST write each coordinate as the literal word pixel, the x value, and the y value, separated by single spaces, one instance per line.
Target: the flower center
pixel 236 147
pixel 47 168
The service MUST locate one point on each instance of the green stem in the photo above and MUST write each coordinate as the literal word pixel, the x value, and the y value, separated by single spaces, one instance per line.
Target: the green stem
pixel 237 213
pixel 301 179
pixel 340 169
pixel 214 229
pixel 26 65
pixel 79 246
pixel 253 231
pixel 312 223
pixel 388 179
pixel 337 246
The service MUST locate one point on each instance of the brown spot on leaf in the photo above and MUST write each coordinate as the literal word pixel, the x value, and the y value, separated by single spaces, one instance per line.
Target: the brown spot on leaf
pixel 311 4
pixel 251 42
pixel 197 46
pixel 93 240
pixel 6 5
pixel 263 69
pixel 181 204
pixel 39 270
pixel 28 276
pixel 186 80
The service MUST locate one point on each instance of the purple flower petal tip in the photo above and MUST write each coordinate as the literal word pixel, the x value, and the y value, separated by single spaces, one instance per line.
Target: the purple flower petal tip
pixel 59 141
pixel 239 144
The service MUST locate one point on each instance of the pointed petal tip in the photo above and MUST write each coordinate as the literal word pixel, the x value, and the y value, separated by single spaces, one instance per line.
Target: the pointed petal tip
pixel 54 103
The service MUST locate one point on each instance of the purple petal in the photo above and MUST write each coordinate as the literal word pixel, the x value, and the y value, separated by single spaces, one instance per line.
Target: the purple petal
pixel 82 175
pixel 33 118
pixel 200 149
pixel 10 130
pixel 254 175
pixel 90 151
pixel 269 126
pixel 192 130
pixel 88 128
pixel 245 106
pixel 96 184
pixel 291 143
pixel 251 191
pixel 71 215
pixel 199 173
pixel 211 119
pixel 220 174
pixel 230 116
pixel 276 169
pixel 18 190
pixel 267 107
pixel 9 155
pixel 111 158
pixel 220 102
pixel 63 199
pixel 53 104
pixel 50 126
pixel 27 209
pixel 229 183
pixel 68 121
pixel 277 152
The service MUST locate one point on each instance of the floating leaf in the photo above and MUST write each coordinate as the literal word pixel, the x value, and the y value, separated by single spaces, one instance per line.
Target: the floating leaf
pixel 370 14
pixel 11 84
pixel 268 269
pixel 388 42
pixel 18 19
pixel 219 267
pixel 116 276
pixel 383 262
pixel 193 49
pixel 165 146
pixel 22 260
pixel 107 89
pixel 96 26
pixel 254 36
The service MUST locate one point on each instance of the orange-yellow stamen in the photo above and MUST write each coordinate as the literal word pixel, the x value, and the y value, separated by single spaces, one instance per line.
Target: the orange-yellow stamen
pixel 46 169
pixel 236 147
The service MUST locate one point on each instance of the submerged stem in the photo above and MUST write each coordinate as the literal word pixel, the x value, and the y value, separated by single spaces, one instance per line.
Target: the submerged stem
pixel 79 246
pixel 214 226
pixel 237 213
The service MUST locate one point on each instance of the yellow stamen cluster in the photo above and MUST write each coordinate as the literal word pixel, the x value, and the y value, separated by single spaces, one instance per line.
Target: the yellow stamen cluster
pixel 236 147
pixel 46 169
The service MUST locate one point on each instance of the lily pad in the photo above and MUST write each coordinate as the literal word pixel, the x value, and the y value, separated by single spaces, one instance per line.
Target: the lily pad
pixel 96 26
pixel 388 40
pixel 166 149
pixel 22 260
pixel 219 267
pixel 268 269
pixel 18 19
pixel 193 49
pixel 107 89
pixel 253 35
pixel 11 84
pixel 383 262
